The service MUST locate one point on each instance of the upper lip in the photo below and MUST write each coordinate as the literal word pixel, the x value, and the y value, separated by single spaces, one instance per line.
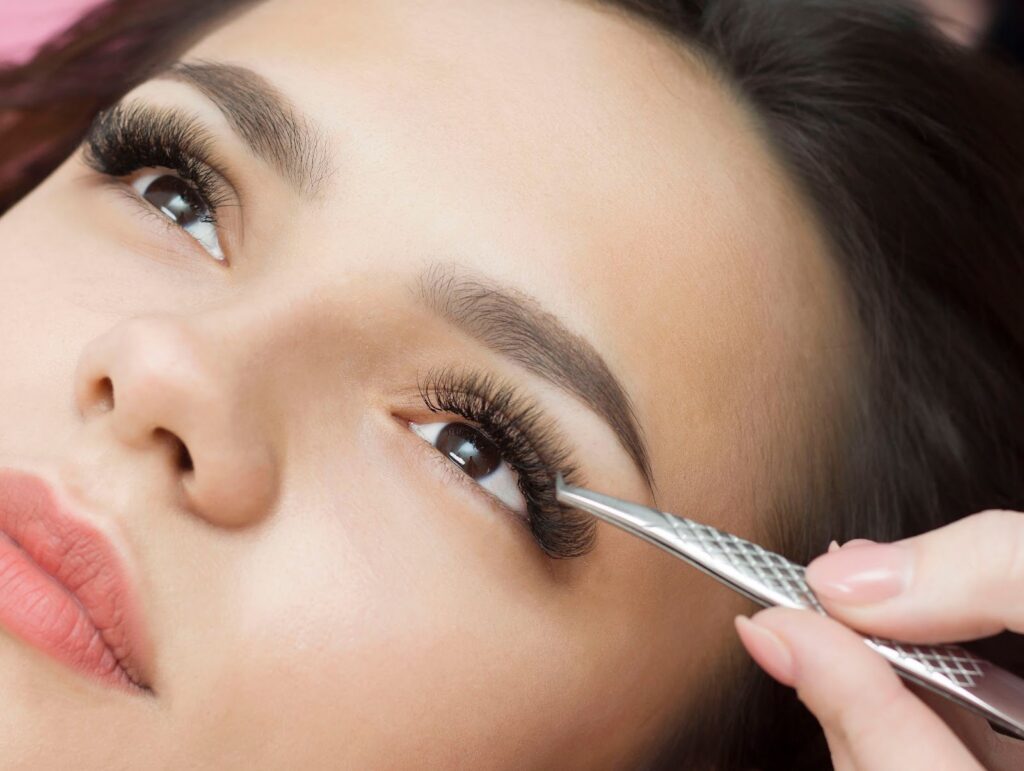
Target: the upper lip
pixel 84 559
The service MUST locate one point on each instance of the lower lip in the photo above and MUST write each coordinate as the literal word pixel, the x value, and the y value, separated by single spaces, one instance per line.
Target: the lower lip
pixel 42 612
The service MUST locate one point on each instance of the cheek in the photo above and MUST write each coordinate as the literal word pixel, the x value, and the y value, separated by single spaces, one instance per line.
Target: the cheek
pixel 76 243
pixel 33 246
pixel 42 330
pixel 385 624
pixel 62 283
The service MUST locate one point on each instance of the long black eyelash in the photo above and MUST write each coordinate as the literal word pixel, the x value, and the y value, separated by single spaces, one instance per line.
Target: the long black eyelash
pixel 527 442
pixel 129 137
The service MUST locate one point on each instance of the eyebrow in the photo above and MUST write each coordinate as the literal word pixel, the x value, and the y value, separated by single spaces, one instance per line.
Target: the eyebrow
pixel 517 327
pixel 263 117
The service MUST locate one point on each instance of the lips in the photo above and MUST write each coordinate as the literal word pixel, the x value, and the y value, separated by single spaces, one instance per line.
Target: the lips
pixel 64 588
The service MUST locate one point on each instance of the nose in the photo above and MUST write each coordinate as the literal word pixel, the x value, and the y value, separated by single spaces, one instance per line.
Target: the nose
pixel 164 388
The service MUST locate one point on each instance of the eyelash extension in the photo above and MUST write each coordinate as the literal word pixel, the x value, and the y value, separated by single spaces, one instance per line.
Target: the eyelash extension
pixel 129 137
pixel 527 442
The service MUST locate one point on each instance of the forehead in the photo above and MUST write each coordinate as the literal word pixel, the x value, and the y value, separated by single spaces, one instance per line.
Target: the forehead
pixel 574 151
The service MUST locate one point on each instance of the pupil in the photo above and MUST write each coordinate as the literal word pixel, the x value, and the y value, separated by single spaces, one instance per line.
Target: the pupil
pixel 175 198
pixel 466 446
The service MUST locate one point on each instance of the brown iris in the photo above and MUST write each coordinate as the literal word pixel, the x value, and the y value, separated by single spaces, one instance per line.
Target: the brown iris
pixel 469 448
pixel 177 199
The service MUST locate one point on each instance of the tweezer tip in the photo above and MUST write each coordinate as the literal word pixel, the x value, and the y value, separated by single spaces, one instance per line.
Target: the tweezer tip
pixel 564 492
pixel 631 516
pixel 570 495
pixel 580 498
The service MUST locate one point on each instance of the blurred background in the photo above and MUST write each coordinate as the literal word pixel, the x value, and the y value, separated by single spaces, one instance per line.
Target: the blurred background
pixel 24 27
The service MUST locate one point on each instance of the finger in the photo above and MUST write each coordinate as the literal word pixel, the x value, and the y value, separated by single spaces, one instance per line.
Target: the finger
pixel 873 721
pixel 960 582
pixel 841 758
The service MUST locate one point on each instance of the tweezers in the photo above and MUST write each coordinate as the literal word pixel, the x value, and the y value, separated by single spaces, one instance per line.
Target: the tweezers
pixel 772 580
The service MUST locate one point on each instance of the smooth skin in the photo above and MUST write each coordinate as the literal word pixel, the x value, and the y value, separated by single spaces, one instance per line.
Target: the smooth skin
pixel 961 582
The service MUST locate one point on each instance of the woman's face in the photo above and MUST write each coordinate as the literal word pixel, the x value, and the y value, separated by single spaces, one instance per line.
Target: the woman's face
pixel 461 198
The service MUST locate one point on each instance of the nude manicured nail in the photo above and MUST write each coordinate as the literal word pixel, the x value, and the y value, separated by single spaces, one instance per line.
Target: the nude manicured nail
pixel 858 542
pixel 834 545
pixel 862 575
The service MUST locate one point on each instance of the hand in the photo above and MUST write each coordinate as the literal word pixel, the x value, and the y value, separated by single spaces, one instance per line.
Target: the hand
pixel 958 583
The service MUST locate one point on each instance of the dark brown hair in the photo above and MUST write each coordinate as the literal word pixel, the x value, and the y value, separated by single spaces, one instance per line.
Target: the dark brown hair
pixel 909 150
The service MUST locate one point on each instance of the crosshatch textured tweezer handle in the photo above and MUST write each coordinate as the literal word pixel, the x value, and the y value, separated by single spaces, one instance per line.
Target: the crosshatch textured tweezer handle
pixel 770 579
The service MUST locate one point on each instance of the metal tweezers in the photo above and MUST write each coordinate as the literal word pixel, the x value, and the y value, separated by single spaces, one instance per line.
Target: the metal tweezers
pixel 770 579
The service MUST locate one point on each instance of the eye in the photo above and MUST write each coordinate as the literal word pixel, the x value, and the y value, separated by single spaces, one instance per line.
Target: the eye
pixel 478 457
pixel 178 200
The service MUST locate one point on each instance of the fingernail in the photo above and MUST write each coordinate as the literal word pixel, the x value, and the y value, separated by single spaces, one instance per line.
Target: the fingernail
pixel 857 542
pixel 834 546
pixel 861 575
pixel 767 649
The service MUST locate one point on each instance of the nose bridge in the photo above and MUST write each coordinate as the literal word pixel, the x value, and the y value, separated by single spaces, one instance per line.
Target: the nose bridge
pixel 173 384
pixel 154 362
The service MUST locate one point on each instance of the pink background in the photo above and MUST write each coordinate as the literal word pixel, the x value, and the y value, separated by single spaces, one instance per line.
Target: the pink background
pixel 26 24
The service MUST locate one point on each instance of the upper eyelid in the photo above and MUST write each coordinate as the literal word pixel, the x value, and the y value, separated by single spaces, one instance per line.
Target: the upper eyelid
pixel 513 405
pixel 439 385
pixel 140 119
pixel 292 143
pixel 120 142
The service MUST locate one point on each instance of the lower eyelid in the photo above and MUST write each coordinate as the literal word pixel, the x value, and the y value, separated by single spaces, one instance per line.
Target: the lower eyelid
pixel 454 473
pixel 146 210
pixel 141 207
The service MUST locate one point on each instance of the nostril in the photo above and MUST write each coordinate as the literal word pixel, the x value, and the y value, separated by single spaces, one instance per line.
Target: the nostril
pixel 182 456
pixel 105 395
pixel 185 459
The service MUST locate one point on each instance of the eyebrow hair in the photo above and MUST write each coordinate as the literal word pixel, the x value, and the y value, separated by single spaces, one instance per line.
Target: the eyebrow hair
pixel 263 117
pixel 516 326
